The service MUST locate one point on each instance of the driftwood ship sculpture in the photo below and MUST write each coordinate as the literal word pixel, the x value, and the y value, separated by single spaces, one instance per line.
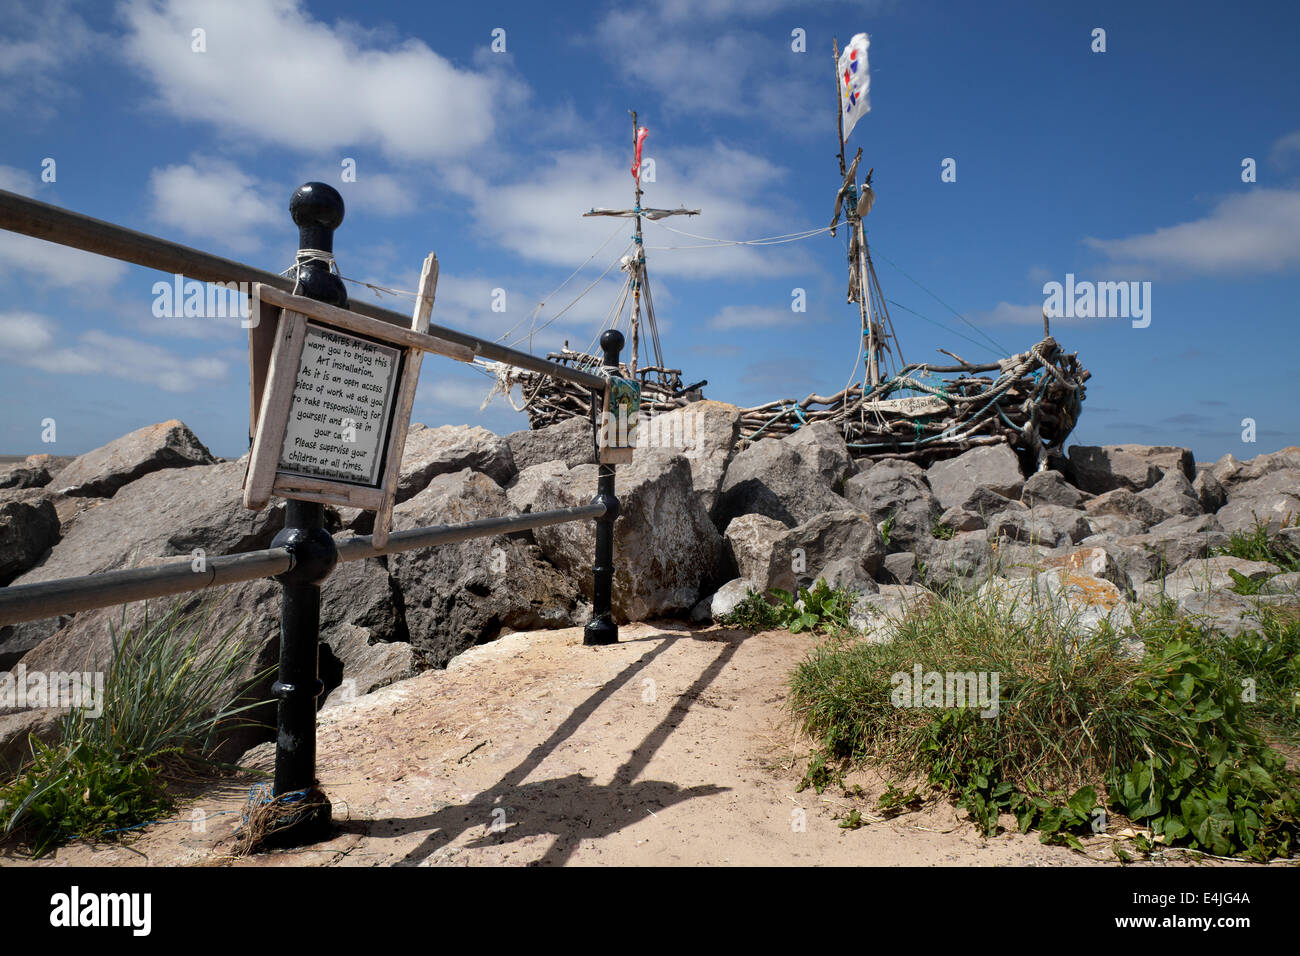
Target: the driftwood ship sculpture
pixel 920 411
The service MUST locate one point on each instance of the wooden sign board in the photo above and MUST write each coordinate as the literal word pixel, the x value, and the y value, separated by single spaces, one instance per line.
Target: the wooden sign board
pixel 332 392
pixel 911 407
pixel 616 438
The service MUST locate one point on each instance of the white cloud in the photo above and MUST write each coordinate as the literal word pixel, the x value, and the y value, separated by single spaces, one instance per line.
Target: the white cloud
pixel 273 72
pixel 36 341
pixel 1286 149
pixel 755 317
pixel 17 180
pixel 57 265
pixel 1248 232
pixel 1005 313
pixel 39 42
pixel 215 200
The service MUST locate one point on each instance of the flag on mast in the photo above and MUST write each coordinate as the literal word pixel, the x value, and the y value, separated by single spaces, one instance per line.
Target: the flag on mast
pixel 641 134
pixel 854 82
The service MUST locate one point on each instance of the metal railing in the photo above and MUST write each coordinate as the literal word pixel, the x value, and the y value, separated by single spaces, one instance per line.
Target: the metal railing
pixel 302 554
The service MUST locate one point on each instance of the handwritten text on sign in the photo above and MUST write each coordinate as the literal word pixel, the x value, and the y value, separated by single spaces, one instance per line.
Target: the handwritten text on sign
pixel 342 401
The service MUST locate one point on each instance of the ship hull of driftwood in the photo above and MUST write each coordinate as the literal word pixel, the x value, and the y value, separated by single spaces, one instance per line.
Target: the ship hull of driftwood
pixel 1030 401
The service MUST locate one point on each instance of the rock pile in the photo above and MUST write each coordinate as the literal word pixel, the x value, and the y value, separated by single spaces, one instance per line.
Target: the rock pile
pixel 702 522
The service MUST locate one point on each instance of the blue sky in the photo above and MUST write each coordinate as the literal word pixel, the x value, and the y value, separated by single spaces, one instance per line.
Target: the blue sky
pixel 1116 165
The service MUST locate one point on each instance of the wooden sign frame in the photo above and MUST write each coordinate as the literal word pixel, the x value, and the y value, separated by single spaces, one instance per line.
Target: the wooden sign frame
pixel 276 346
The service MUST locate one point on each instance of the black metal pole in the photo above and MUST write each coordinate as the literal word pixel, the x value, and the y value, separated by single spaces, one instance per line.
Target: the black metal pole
pixel 602 629
pixel 317 209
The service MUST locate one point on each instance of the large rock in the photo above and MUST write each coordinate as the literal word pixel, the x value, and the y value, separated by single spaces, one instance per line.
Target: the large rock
pixel 1125 504
pixel 569 441
pixel 166 514
pixel 822 445
pixel 824 538
pixel 1230 472
pixel 523 491
pixel 1272 509
pixel 1173 496
pixel 23 475
pixel 1278 481
pixel 462 594
pixel 667 554
pixel 877 616
pixel 896 490
pixel 368 664
pixel 29 526
pixel 1073 600
pixel 1175 541
pixel 751 542
pixel 17 728
pixel 100 473
pixel 992 466
pixel 1051 488
pixel 722 601
pixel 705 433
pixel 447 449
pixel 774 478
pixel 1209 493
pixel 1099 469
pixel 1049 525
pixel 962 560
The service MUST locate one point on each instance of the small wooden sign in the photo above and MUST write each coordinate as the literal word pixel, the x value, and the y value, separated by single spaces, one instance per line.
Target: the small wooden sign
pixel 332 392
pixel 911 407
pixel 616 438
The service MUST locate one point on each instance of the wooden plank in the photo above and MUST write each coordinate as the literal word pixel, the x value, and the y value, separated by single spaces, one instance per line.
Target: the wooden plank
pixel 911 407
pixel 405 401
pixel 273 417
pixel 261 342
pixel 362 325
pixel 328 492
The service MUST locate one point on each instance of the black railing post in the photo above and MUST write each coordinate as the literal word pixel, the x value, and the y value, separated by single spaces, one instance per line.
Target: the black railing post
pixel 602 629
pixel 317 209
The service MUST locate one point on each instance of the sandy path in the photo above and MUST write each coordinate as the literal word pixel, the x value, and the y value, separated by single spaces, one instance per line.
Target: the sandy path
pixel 670 748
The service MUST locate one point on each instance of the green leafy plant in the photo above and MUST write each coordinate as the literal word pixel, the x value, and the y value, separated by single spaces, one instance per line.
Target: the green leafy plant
pixel 174 680
pixel 1258 545
pixel 1083 727
pixel 886 528
pixel 818 608
pixel 943 531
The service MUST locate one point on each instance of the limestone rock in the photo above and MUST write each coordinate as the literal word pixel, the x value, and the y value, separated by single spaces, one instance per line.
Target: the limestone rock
pixel 100 473
pixel 876 616
pixel 897 490
pixel 1173 496
pixel 29 527
pixel 462 594
pixel 1051 488
pixel 775 479
pixel 1099 469
pixel 722 601
pixel 1050 525
pixel 430 452
pixel 705 433
pixel 993 466
pixel 569 441
pixel 666 551
pixel 1125 504
pixel 821 444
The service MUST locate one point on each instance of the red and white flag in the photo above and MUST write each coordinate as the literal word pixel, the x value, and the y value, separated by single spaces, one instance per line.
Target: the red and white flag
pixel 854 82
pixel 636 162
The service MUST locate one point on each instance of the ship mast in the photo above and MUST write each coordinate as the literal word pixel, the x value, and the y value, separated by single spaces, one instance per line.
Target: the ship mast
pixel 637 266
pixel 864 287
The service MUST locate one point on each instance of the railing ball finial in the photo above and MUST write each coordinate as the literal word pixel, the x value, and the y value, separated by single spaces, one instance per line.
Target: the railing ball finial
pixel 611 340
pixel 317 210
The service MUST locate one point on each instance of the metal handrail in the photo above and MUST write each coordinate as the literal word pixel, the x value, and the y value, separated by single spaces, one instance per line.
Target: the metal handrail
pixel 53 224
pixel 42 599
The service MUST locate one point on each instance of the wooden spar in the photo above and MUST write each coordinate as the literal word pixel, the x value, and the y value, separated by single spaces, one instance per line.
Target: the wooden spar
pixel 638 260
pixel 839 102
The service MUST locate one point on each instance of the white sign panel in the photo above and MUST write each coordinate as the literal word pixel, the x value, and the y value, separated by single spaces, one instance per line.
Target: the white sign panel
pixel 341 409
pixel 909 407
